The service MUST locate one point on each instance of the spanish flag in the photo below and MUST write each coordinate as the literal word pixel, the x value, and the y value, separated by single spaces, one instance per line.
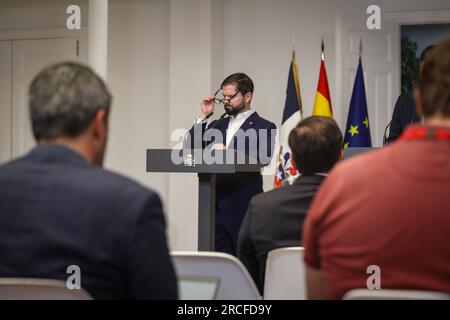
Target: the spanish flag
pixel 322 104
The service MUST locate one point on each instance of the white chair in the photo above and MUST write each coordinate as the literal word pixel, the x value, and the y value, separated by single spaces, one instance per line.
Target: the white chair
pixel 285 274
pixel 394 294
pixel 235 282
pixel 39 289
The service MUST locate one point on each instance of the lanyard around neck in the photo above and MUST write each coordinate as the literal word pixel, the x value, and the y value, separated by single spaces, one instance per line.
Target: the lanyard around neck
pixel 426 133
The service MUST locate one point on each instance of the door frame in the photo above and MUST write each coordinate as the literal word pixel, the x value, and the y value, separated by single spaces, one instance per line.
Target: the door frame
pixel 81 35
pixel 52 33
pixel 343 87
pixel 406 18
pixel 418 17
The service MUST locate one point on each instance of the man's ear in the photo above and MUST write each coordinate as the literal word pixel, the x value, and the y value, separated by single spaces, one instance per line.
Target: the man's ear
pixel 341 155
pixel 248 97
pixel 99 124
pixel 293 161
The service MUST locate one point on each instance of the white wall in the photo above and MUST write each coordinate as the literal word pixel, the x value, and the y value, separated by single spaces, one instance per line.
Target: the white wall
pixel 138 67
pixel 190 76
pixel 160 65
pixel 41 14
pixel 258 40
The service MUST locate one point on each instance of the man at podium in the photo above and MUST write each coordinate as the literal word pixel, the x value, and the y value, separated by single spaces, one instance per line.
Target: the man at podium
pixel 242 129
pixel 405 107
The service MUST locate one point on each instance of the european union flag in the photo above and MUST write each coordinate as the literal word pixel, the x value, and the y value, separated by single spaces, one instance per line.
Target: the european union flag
pixel 357 132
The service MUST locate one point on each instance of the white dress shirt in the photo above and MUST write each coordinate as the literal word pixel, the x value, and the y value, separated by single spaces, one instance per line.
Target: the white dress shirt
pixel 234 124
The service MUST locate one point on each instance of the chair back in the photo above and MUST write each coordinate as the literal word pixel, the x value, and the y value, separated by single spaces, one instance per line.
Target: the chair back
pixel 39 289
pixel 394 294
pixel 234 281
pixel 285 274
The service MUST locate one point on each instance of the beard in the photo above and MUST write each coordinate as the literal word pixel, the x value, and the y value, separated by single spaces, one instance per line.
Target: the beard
pixel 234 111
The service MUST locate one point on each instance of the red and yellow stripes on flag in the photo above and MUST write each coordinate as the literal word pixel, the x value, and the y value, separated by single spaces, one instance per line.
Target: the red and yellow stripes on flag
pixel 322 104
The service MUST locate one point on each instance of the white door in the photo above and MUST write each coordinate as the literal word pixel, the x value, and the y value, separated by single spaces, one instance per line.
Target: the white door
pixel 29 57
pixel 381 65
pixel 5 100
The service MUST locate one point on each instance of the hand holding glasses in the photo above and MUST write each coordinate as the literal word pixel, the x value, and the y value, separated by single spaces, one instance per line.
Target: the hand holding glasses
pixel 224 99
pixel 207 105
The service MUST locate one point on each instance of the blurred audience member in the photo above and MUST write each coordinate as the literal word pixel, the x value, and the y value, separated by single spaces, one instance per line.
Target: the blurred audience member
pixel 405 107
pixel 59 208
pixel 275 218
pixel 389 208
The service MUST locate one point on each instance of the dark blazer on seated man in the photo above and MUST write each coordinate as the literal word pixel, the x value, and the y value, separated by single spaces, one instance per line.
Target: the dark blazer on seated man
pixel 275 219
pixel 59 208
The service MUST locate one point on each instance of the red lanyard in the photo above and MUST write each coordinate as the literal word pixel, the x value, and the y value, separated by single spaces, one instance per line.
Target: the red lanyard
pixel 426 133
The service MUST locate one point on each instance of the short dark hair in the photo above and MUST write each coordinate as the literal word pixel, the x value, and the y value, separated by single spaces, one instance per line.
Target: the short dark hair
pixel 64 99
pixel 241 81
pixel 425 52
pixel 434 81
pixel 316 144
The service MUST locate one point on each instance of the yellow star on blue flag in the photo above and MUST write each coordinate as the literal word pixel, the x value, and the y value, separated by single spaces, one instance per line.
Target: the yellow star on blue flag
pixel 357 133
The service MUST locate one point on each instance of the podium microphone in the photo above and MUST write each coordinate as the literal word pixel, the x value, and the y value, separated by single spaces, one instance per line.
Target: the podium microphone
pixel 209 115
pixel 223 115
pixel 216 121
pixel 385 133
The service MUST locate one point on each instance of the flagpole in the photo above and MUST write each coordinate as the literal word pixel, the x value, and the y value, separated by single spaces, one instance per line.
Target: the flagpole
pixel 293 47
pixel 297 84
pixel 360 48
pixel 323 50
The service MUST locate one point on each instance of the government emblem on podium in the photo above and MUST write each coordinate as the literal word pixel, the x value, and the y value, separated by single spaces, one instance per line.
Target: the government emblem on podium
pixel 189 160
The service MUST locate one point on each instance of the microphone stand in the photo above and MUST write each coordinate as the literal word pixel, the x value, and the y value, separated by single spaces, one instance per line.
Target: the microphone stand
pixel 385 133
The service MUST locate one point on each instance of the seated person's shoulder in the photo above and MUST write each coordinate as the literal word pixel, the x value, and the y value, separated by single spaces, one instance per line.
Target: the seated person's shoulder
pixel 9 168
pixel 117 184
pixel 364 165
pixel 118 192
pixel 269 199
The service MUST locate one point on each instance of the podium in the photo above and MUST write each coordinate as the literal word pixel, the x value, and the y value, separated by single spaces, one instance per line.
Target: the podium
pixel 351 152
pixel 207 164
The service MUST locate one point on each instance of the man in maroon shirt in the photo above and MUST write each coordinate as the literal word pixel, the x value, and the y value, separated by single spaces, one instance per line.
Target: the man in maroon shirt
pixel 389 210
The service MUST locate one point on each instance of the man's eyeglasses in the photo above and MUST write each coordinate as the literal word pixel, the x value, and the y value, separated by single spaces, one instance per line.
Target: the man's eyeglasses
pixel 224 99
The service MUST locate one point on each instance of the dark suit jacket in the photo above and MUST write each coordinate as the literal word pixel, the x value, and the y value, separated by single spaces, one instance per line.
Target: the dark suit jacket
pixel 274 220
pixel 404 114
pixel 57 210
pixel 234 191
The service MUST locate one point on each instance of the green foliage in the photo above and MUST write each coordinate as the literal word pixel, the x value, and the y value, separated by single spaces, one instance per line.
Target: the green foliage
pixel 410 63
